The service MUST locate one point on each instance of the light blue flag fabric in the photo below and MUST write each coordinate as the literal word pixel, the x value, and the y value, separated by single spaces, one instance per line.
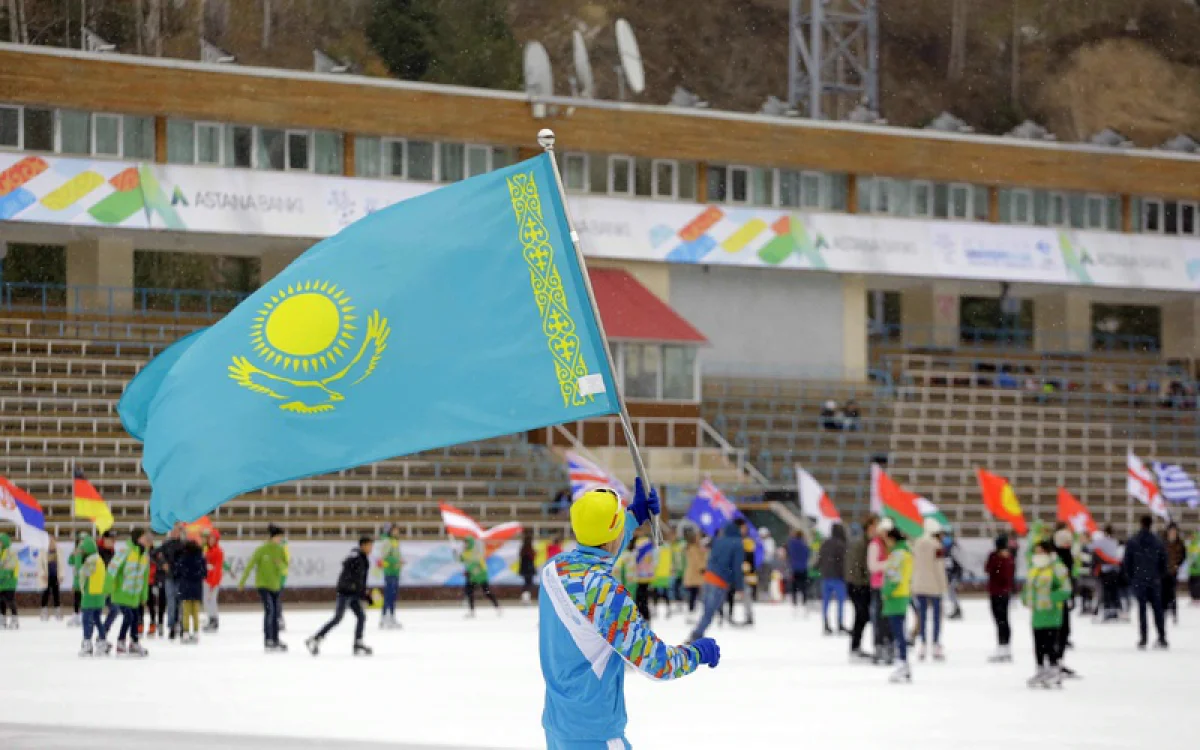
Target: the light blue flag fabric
pixel 135 401
pixel 455 316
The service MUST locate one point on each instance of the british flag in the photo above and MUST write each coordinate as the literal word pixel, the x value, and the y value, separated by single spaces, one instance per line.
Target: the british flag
pixel 586 475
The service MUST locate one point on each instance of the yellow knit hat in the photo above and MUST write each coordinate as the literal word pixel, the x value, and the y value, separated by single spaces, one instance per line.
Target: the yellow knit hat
pixel 597 518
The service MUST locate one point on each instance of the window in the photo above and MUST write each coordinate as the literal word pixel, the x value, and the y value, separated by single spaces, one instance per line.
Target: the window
pixel 1016 206
pixel 368 156
pixel 762 186
pixel 181 142
pixel 679 373
pixel 453 162
pixel 1076 210
pixel 272 149
pixel 479 160
pixel 790 188
pixel 643 178
pixel 138 137
pixel 664 179
pixel 718 185
pixel 642 366
pixel 38 129
pixel 620 175
pixel 597 174
pixel 10 127
pixel 1152 220
pixel 209 143
pixel 1187 218
pixel 74 132
pixel 881 195
pixel 1097 212
pixel 239 146
pixel 941 200
pixel 686 188
pixel 394 157
pixel 420 160
pixel 106 135
pixel 1170 221
pixel 328 152
pixel 502 157
pixel 960 201
pixel 1058 210
pixel 575 172
pixel 739 185
pixel 922 198
pixel 980 200
pixel 297 150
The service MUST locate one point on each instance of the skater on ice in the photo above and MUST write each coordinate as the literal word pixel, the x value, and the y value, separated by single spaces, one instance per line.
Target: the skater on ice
pixel 129 586
pixel 897 593
pixel 351 592
pixel 392 563
pixel 92 582
pixel 10 570
pixel 475 573
pixel 1001 583
pixel 190 572
pixel 268 565
pixel 214 556
pixel 1145 566
pixel 586 618
pixel 723 574
pixel 1047 588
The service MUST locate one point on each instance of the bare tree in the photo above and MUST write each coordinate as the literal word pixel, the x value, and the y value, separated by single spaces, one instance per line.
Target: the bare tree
pixel 958 40
pixel 139 26
pixel 1015 75
pixel 266 25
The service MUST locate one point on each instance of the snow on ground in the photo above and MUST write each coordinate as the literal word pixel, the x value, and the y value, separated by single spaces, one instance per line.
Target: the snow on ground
pixel 451 682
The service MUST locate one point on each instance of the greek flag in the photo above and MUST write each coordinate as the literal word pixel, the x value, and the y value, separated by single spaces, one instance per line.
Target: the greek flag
pixel 1176 485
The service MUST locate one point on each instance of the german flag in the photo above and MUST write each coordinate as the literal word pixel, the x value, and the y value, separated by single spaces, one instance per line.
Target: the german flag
pixel 89 504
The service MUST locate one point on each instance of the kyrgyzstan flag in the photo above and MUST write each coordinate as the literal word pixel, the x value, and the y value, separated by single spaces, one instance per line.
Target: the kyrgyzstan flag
pixel 89 504
pixel 1075 514
pixel 815 502
pixel 1001 501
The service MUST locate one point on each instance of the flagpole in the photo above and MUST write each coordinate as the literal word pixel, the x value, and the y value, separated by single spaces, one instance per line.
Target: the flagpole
pixel 546 139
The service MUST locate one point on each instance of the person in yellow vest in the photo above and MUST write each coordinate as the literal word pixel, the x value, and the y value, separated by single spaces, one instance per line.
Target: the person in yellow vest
pixel 664 572
pixel 92 579
pixel 10 571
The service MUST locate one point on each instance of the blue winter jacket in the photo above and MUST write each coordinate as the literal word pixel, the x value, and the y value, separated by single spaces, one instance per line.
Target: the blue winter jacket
pixel 726 557
pixel 797 550
pixel 585 617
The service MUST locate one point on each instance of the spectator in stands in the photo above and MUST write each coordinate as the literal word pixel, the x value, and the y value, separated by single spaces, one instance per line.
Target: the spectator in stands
pixel 48 572
pixel 694 558
pixel 559 503
pixel 1145 565
pixel 929 586
pixel 1001 571
pixel 526 566
pixel 1176 554
pixel 831 416
pixel 1006 379
pixel 858 582
pixel 269 566
pixel 1031 384
pixel 832 564
pixel 851 417
pixel 797 549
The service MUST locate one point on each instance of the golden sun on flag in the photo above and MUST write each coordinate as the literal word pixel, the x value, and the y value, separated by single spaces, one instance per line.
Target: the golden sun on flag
pixel 306 327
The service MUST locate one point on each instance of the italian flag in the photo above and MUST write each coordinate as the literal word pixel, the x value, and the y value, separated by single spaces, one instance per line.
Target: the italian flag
pixel 907 510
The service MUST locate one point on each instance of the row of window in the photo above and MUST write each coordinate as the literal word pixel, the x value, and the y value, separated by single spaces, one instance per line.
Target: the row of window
pixel 654 371
pixel 74 132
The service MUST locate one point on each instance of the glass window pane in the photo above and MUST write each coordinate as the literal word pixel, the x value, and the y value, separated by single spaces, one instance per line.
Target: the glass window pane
pixel 453 162
pixel 882 199
pixel 208 144
pixel 576 174
pixel 1041 208
pixel 271 148
pixel 181 142
pixel 74 132
pixel 108 135
pixel 643 178
pixel 789 188
pixel 922 199
pixel 329 153
pixel 1095 212
pixel 941 200
pixel 393 158
pixel 811 190
pixel 1076 210
pixel 687 181
pixel 739 189
pixel 1114 213
pixel 1170 216
pixel 597 174
pixel 1058 210
pixel 1187 218
pixel 664 179
pixel 39 129
pixel 297 151
pixel 717 183
pixel 622 177
pixel 10 127
pixel 866 195
pixel 138 137
pixel 1151 215
pixel 368 156
pixel 837 187
pixel 420 160
pixel 502 157
pixel 979 203
pixel 762 187
pixel 239 148
pixel 1022 209
pixel 679 372
pixel 960 201
pixel 477 160
pixel 641 371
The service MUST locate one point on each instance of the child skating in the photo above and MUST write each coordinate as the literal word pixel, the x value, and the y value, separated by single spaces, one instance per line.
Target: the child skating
pixel 10 569
pixel 351 590
pixel 92 579
pixel 269 567
pixel 474 557
pixel 897 591
pixel 190 573
pixel 129 587
pixel 1047 587
pixel 392 563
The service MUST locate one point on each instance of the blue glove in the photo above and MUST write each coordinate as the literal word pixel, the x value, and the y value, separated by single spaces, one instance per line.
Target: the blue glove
pixel 644 506
pixel 710 652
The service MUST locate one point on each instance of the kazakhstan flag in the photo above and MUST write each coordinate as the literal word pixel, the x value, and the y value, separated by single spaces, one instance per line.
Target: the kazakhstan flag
pixel 459 315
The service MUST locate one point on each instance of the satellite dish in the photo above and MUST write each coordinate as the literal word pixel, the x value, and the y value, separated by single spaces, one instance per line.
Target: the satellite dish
pixel 539 80
pixel 631 57
pixel 583 67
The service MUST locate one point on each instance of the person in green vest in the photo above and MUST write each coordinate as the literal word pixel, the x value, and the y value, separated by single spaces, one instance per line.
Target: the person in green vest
pixel 1047 588
pixel 129 586
pixel 287 565
pixel 474 559
pixel 76 561
pixel 1194 568
pixel 92 578
pixel 10 570
pixel 896 595
pixel 269 564
pixel 392 563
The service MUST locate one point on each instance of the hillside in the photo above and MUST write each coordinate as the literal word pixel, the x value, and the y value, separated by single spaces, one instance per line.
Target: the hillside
pixel 1133 65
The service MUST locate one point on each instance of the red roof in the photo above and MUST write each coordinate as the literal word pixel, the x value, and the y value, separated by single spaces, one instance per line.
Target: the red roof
pixel 630 311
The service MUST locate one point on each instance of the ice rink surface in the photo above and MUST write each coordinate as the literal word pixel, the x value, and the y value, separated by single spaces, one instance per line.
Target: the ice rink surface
pixel 449 682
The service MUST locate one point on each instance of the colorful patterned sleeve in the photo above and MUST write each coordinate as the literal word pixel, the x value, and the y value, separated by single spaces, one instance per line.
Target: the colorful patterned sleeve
pixel 612 610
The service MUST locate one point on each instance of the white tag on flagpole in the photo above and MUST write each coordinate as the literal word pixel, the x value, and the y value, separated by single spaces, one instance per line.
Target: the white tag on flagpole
pixel 590 385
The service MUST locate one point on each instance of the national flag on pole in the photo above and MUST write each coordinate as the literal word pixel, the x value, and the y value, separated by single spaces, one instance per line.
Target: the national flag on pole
pixel 89 504
pixel 908 510
pixel 19 507
pixel 1141 486
pixel 459 315
pixel 1176 485
pixel 587 475
pixel 1001 501
pixel 461 526
pixel 815 502
pixel 711 510
pixel 1075 514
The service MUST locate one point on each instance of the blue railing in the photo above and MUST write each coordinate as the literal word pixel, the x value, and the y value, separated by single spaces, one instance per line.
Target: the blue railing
pixel 942 337
pixel 107 300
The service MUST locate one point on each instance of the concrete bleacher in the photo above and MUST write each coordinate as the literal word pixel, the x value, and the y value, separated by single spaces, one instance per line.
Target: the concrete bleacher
pixel 61 378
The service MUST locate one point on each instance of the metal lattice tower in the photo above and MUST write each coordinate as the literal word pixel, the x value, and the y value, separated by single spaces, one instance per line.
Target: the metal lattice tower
pixel 833 57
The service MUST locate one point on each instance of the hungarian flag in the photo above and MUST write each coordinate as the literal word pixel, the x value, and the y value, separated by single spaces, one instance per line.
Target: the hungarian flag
pixel 907 510
pixel 89 504
pixel 1001 501
pixel 815 502
pixel 461 526
pixel 1075 514
pixel 1141 486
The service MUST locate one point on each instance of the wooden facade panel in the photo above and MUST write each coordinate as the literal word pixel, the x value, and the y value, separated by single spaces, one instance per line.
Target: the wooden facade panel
pixel 282 98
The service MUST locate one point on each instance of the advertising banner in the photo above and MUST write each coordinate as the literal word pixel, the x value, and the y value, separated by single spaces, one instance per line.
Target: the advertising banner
pixel 105 193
